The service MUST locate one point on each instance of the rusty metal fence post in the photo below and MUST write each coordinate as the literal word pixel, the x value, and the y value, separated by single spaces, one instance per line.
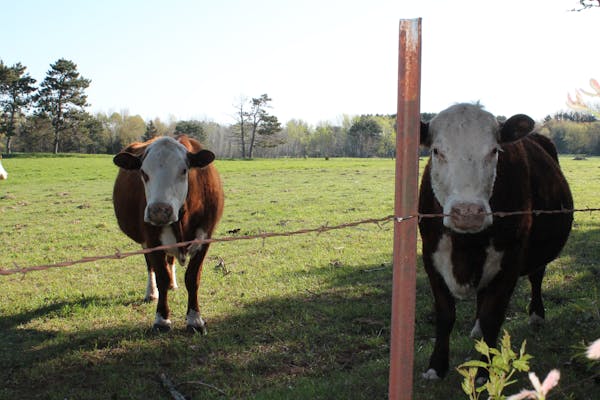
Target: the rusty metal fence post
pixel 405 231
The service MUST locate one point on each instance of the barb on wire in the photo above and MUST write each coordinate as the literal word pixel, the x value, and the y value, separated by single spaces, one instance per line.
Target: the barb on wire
pixel 120 255
pixel 323 228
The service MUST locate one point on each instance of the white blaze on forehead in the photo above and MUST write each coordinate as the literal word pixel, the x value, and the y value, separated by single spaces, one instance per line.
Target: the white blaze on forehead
pixel 464 146
pixel 165 165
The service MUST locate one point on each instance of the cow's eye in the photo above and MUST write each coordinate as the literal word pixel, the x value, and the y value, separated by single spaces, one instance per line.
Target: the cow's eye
pixel 438 154
pixel 145 176
pixel 184 171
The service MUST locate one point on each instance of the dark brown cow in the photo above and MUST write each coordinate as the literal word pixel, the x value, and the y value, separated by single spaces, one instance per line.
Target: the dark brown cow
pixel 478 166
pixel 167 191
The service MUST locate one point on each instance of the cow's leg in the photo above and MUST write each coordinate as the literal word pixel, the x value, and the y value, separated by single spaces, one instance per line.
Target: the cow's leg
pixel 194 320
pixel 536 305
pixel 493 311
pixel 172 272
pixel 476 331
pixel 163 281
pixel 445 315
pixel 151 289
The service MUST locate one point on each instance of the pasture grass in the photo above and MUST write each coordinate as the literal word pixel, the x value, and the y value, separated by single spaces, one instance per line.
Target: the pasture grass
pixel 302 317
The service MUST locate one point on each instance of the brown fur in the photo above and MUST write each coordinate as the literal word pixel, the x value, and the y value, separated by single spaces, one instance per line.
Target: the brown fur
pixel 528 178
pixel 203 209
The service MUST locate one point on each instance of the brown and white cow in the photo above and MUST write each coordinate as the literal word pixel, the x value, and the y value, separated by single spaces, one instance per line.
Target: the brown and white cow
pixel 167 191
pixel 3 173
pixel 479 166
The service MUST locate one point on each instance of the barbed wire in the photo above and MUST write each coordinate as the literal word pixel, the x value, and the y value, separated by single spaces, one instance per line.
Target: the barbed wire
pixel 323 228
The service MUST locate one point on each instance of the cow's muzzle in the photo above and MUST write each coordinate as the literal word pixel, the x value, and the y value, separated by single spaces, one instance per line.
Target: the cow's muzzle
pixel 467 217
pixel 160 214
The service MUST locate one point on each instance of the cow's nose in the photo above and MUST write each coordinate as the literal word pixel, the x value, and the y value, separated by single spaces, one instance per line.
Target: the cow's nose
pixel 468 217
pixel 160 214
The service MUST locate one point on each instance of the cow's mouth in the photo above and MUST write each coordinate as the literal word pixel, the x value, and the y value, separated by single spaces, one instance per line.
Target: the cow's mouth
pixel 160 214
pixel 465 217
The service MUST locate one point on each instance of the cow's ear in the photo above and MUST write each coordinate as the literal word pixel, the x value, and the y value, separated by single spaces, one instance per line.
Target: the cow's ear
pixel 127 160
pixel 425 139
pixel 516 127
pixel 201 158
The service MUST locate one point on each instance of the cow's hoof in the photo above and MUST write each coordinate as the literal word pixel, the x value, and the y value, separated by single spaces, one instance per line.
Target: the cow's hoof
pixel 161 328
pixel 536 321
pixel 430 375
pixel 197 330
pixel 161 324
pixel 195 323
pixel 480 381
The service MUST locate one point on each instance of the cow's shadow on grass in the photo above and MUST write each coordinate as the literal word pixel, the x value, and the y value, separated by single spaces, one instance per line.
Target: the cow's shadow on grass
pixel 331 343
pixel 280 345
pixel 571 292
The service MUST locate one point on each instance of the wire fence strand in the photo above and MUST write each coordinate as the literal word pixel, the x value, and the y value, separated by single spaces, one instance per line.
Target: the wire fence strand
pixel 321 229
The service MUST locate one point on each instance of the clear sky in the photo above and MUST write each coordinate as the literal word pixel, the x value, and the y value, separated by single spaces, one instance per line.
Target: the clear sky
pixel 317 59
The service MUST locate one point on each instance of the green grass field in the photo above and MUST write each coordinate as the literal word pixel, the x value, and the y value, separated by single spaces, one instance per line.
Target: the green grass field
pixel 302 317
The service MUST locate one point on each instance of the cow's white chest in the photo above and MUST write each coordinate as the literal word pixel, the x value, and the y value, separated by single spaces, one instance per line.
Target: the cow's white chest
pixel 442 260
pixel 167 238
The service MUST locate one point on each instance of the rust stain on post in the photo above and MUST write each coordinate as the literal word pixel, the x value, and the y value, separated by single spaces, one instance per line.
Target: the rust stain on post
pixel 405 232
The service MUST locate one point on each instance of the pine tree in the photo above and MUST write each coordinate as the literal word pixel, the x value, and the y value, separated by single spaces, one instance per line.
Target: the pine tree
pixel 61 97
pixel 151 131
pixel 16 90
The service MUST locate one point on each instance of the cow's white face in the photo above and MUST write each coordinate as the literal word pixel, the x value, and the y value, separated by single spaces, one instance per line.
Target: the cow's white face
pixel 464 141
pixel 164 173
pixel 164 168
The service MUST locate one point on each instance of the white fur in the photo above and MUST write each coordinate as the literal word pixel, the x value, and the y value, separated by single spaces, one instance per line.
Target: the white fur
pixel 3 173
pixel 442 260
pixel 476 331
pixel 430 375
pixel 193 319
pixel 151 288
pixel 480 381
pixel 160 321
pixel 167 237
pixel 463 161
pixel 165 165
pixel 491 267
pixel 174 274
pixel 195 247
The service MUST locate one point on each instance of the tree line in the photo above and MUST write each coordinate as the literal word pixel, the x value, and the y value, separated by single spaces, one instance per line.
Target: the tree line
pixel 53 118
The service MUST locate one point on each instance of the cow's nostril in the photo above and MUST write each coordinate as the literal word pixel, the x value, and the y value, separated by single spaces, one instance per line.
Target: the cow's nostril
pixel 467 216
pixel 160 214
